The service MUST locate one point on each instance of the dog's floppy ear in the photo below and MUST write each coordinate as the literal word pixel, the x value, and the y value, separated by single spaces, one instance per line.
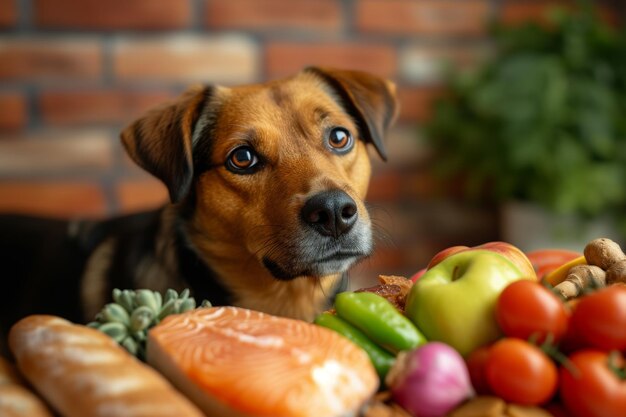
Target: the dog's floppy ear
pixel 161 141
pixel 370 100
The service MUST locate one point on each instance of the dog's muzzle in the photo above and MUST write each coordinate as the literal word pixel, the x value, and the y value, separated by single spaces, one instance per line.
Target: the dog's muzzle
pixel 331 239
pixel 330 213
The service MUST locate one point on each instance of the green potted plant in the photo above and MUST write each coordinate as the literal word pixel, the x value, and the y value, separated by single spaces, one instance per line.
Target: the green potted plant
pixel 542 121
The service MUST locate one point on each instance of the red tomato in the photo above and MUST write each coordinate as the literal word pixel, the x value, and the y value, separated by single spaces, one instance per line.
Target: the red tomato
pixel 476 363
pixel 520 372
pixel 600 318
pixel 526 308
pixel 593 389
pixel 572 341
pixel 547 260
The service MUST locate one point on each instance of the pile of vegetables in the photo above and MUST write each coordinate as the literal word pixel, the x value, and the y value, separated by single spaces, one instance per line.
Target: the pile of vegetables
pixel 426 379
pixel 555 354
pixel 560 355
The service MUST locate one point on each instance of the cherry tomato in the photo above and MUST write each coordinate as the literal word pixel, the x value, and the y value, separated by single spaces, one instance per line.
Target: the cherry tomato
pixel 526 308
pixel 520 372
pixel 600 318
pixel 592 388
pixel 476 363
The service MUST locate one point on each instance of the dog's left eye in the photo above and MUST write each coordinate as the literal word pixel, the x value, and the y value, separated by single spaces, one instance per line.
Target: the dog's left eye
pixel 340 140
pixel 242 160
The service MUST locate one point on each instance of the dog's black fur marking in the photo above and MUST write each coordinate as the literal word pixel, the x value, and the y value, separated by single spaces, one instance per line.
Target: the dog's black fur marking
pixel 199 276
pixel 43 261
pixel 41 269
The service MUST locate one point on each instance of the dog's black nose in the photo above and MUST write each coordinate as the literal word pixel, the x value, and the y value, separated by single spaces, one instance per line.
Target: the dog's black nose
pixel 331 213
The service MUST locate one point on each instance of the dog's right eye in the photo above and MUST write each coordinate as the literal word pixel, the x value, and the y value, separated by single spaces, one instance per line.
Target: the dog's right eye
pixel 340 140
pixel 242 160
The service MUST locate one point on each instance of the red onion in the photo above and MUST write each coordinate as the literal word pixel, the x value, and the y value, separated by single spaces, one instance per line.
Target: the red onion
pixel 429 381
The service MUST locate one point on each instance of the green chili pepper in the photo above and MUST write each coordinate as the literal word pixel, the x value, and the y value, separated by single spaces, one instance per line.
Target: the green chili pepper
pixel 380 358
pixel 379 320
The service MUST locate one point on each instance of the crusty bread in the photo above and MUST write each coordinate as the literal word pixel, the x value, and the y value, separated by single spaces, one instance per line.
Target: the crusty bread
pixel 84 373
pixel 8 373
pixel 17 400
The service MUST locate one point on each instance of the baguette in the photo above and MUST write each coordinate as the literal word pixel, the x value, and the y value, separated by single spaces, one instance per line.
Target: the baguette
pixel 8 374
pixel 15 399
pixel 84 373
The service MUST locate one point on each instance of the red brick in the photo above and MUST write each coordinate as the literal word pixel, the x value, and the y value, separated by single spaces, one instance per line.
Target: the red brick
pixel 416 103
pixel 286 58
pixel 13 113
pixel 319 15
pixel 538 11
pixel 427 64
pixel 187 58
pixel 97 106
pixel 38 59
pixel 112 14
pixel 8 13
pixel 404 146
pixel 518 12
pixel 58 199
pixel 142 194
pixel 56 153
pixel 424 17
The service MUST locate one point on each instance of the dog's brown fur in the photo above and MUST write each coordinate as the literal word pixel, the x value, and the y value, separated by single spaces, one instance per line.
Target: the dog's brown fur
pixel 239 218
pixel 234 223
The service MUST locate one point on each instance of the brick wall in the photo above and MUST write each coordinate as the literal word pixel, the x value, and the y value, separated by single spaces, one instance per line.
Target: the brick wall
pixel 72 72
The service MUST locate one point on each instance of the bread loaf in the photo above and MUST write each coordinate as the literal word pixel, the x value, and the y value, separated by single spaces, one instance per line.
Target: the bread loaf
pixel 17 400
pixel 8 374
pixel 84 373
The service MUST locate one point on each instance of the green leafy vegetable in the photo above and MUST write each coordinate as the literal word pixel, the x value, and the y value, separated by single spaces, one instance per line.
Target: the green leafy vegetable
pixel 542 120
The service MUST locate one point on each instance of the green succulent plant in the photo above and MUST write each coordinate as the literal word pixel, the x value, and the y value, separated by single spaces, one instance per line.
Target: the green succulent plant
pixel 543 119
pixel 132 313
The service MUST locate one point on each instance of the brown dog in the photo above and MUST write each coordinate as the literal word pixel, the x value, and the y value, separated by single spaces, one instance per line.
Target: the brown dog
pixel 266 182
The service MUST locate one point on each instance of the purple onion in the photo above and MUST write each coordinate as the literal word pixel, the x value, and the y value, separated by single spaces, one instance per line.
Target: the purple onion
pixel 429 381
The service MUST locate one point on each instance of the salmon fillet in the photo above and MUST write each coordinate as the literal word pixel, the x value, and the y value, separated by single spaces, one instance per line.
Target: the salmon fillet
pixel 237 362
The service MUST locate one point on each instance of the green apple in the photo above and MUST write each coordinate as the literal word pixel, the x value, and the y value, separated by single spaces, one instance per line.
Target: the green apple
pixel 454 301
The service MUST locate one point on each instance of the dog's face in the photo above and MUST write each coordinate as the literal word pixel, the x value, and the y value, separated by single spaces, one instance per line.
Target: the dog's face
pixel 275 173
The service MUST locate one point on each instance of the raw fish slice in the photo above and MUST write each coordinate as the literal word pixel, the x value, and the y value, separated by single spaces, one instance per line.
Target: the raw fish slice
pixel 242 362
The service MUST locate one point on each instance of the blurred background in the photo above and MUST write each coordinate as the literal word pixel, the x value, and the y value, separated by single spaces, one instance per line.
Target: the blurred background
pixel 532 121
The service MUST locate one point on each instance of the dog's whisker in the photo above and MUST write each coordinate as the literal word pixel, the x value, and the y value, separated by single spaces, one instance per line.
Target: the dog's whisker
pixel 380 225
pixel 268 243
pixel 383 236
